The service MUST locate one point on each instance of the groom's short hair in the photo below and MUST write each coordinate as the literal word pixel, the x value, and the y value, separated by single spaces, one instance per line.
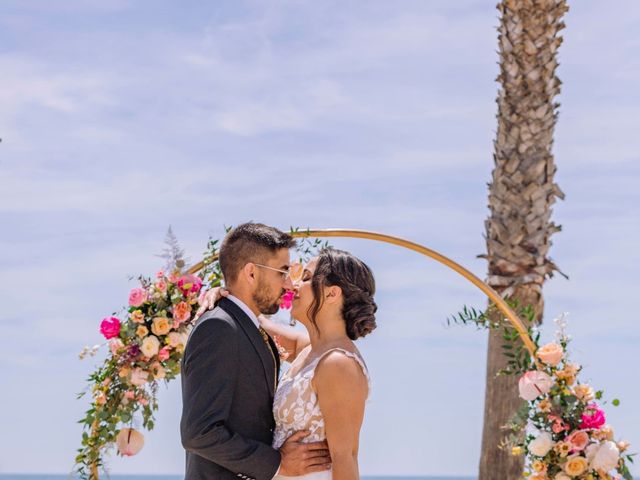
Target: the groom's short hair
pixel 250 242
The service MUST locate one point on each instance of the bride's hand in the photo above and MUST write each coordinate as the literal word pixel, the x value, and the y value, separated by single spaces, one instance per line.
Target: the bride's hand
pixel 210 299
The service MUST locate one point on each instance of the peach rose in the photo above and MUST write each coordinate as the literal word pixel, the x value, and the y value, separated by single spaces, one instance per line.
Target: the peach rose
pixel 150 346
pixel 157 370
pixel 137 316
pixel 129 442
pixel 551 354
pixel 142 331
pixel 160 326
pixel 129 395
pixel 182 312
pixel 584 392
pixel 539 467
pixel 175 339
pixel 578 440
pixel 139 377
pixel 576 465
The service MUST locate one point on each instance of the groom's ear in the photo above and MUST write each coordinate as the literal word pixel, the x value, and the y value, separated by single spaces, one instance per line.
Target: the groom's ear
pixel 249 273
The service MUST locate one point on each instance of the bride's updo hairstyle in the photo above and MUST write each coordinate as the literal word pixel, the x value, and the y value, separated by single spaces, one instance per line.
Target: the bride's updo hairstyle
pixel 341 269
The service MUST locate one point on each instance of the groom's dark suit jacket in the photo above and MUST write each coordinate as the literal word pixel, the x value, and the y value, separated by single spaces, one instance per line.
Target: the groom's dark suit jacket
pixel 228 382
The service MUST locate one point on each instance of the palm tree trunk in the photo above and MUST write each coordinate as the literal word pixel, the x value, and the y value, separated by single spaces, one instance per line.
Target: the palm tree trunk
pixel 521 194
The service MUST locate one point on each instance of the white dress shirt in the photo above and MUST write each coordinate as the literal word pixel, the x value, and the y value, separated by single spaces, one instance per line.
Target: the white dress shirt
pixel 245 309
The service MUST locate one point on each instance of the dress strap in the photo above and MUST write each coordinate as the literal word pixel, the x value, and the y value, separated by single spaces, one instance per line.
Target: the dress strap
pixel 359 360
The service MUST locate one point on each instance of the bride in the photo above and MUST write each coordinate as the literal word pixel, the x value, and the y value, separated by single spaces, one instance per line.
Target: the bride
pixel 325 389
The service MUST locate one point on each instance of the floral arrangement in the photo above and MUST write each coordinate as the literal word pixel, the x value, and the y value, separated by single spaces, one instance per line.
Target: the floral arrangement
pixel 562 428
pixel 566 434
pixel 145 344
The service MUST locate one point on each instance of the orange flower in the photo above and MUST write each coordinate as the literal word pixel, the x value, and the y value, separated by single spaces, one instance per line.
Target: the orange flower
pixel 576 465
pixel 563 448
pixel 142 331
pixel 182 312
pixel 551 354
pixel 137 316
pixel 160 326
pixel 544 405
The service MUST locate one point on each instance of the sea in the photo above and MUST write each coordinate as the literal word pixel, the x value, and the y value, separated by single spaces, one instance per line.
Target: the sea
pixel 10 476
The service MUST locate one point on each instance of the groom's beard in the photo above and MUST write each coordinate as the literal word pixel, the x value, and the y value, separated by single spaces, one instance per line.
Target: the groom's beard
pixel 265 303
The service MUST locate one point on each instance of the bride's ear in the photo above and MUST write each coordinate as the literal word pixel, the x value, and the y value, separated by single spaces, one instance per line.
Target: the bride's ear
pixel 333 294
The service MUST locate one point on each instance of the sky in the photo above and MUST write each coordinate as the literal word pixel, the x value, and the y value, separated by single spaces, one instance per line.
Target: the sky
pixel 120 118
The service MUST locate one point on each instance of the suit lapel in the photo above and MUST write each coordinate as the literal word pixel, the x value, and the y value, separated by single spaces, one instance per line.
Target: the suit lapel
pixel 254 335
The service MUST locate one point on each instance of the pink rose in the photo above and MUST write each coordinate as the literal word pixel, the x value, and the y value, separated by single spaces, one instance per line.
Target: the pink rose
pixel 533 384
pixel 137 297
pixel 287 300
pixel 129 442
pixel 160 274
pixel 189 284
pixel 129 395
pixel 161 285
pixel 182 312
pixel 143 401
pixel 164 354
pixel 551 354
pixel 593 417
pixel 110 327
pixel 578 440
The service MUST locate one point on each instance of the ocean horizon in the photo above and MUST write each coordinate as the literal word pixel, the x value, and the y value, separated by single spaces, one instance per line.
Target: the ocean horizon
pixel 45 476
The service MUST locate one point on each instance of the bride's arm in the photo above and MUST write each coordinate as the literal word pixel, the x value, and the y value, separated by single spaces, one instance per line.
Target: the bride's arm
pixel 342 391
pixel 293 341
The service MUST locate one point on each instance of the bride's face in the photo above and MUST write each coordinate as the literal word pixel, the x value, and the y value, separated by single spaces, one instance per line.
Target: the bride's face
pixel 303 297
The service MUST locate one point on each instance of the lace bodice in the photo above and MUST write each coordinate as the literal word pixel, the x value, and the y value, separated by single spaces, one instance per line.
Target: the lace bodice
pixel 296 407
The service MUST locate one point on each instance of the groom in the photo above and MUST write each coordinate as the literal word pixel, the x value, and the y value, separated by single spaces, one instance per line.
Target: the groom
pixel 230 369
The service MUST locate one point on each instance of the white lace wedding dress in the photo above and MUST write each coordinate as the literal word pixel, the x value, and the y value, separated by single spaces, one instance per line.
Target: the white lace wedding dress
pixel 296 407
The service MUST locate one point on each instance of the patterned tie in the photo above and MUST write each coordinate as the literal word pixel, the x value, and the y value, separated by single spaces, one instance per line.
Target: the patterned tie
pixel 265 337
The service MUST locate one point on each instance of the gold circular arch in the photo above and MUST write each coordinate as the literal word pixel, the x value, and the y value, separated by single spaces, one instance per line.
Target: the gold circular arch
pixel 381 237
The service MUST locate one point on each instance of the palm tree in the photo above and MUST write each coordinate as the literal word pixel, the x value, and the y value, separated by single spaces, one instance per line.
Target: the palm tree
pixel 521 194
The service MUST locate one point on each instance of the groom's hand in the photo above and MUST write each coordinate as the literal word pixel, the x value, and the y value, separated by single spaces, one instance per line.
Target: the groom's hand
pixel 302 458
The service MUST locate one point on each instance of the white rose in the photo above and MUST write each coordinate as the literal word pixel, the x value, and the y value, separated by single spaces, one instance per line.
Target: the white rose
pixel 605 457
pixel 150 346
pixel 542 444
